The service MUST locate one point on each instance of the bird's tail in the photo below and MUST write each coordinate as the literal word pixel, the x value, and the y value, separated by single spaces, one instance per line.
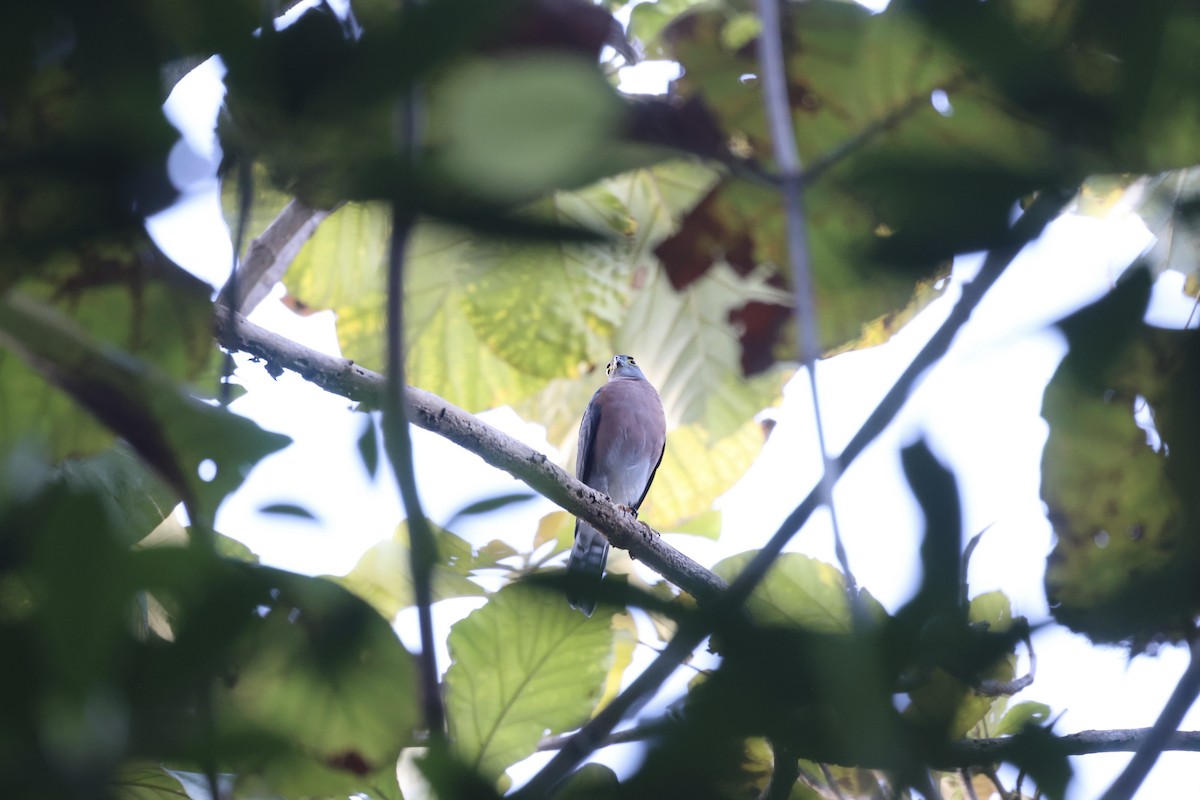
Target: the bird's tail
pixel 585 567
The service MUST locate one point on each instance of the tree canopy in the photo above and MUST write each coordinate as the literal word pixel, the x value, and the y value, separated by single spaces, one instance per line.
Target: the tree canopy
pixel 490 219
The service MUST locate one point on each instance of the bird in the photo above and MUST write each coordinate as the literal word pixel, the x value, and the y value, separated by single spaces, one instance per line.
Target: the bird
pixel 621 442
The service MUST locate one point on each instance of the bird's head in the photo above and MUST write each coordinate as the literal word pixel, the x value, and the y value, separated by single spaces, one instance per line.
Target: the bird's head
pixel 623 366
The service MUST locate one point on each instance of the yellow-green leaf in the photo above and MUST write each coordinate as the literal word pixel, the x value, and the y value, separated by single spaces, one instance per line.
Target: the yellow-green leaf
pixel 524 664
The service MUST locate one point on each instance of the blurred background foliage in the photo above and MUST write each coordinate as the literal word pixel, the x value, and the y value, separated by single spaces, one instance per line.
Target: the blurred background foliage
pixel 560 221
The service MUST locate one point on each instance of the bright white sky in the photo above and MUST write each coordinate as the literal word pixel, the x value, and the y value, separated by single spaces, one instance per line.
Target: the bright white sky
pixel 979 408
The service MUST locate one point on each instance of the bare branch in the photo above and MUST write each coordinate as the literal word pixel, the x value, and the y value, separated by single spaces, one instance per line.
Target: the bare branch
pixel 269 255
pixel 427 410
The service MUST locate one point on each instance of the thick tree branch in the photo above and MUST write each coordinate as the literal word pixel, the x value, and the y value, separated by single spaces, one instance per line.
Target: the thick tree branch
pixel 345 378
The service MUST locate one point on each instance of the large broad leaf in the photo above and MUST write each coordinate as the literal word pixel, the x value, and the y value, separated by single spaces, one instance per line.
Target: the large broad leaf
pixel 697 469
pixel 511 129
pixel 383 575
pixel 325 674
pixel 290 682
pixel 492 322
pixel 1120 492
pixel 135 499
pixel 524 664
pixel 922 187
pixel 201 451
pixel 924 140
pixel 1116 90
pixel 126 296
pixel 687 346
pixel 798 592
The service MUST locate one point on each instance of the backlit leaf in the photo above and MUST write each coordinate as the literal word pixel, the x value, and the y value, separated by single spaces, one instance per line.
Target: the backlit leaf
pixel 523 665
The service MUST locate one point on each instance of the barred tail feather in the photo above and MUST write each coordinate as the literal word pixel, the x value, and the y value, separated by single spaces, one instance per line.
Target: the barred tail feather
pixel 585 567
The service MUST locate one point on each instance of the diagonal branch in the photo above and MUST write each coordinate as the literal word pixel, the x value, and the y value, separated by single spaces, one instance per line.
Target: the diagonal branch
pixel 427 410
pixel 269 255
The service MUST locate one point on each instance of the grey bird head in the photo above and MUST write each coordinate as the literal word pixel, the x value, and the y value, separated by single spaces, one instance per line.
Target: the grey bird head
pixel 623 366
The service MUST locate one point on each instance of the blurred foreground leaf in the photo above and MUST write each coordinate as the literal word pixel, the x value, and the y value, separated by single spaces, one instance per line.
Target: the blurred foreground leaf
pixel 1118 474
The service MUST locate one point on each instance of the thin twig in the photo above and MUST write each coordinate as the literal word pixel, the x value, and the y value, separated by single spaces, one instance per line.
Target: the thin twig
pixel 964 594
pixel 831 781
pixel 994 688
pixel 779 118
pixel 398 437
pixel 1160 734
pixel 1045 208
pixel 692 633
pixel 968 784
pixel 994 777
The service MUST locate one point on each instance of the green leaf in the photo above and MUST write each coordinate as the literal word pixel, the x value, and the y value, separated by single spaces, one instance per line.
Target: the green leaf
pixel 570 297
pixel 592 781
pixel 695 471
pixel 201 451
pixel 490 504
pixel 288 510
pixel 1017 718
pixel 147 782
pixel 798 592
pixel 890 208
pixel 1034 752
pixel 323 673
pixel 383 577
pixel 135 500
pixel 1121 500
pixel 265 203
pixel 707 525
pixel 368 446
pixel 122 295
pixel 522 665
pixel 514 128
pixel 949 703
pixel 344 263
